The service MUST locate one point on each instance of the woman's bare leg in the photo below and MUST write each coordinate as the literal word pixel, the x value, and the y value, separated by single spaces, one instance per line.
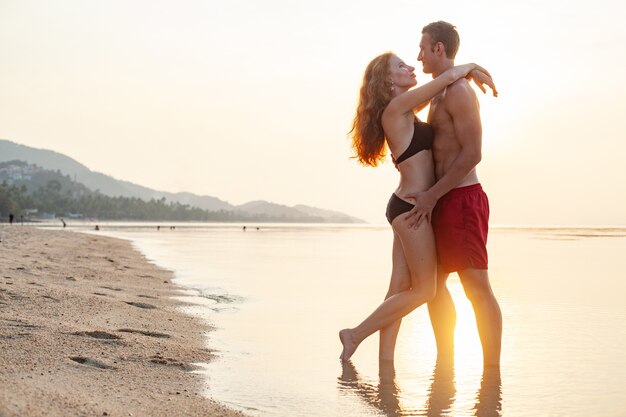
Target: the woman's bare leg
pixel 400 281
pixel 419 252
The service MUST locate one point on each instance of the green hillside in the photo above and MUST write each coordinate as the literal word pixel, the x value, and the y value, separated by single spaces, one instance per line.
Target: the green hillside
pixel 31 191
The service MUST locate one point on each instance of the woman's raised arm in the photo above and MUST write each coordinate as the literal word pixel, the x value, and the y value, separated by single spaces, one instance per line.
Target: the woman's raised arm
pixel 416 97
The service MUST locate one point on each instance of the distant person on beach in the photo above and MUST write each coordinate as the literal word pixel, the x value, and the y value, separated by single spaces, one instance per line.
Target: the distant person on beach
pixel 457 202
pixel 385 117
pixel 64 224
pixel 11 217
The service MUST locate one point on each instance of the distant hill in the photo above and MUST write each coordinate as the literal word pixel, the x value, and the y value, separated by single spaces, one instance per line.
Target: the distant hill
pixel 328 215
pixel 259 207
pixel 110 186
pixel 107 185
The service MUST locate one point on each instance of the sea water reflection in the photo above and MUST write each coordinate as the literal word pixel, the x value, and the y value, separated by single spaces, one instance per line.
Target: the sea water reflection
pixel 387 397
pixel 279 295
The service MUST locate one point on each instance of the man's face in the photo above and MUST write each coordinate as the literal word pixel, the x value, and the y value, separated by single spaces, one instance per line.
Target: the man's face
pixel 426 56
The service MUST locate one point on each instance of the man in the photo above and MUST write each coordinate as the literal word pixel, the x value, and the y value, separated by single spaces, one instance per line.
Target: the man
pixel 459 206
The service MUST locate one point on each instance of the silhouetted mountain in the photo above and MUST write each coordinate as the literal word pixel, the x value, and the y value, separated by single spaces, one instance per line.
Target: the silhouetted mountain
pixel 329 216
pixel 110 186
pixel 96 181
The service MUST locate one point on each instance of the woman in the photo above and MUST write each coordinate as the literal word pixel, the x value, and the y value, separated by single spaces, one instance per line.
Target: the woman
pixel 385 117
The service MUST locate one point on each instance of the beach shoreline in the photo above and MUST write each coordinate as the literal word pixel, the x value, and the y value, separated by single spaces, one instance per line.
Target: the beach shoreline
pixel 89 327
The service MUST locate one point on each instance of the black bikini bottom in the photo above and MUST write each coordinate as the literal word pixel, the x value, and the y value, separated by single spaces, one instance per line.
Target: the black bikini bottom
pixel 397 206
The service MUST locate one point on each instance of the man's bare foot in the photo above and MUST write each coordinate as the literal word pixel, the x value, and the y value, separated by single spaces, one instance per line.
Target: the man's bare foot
pixel 349 345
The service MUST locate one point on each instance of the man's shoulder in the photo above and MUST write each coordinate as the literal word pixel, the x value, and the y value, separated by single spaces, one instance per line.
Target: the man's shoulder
pixel 460 88
pixel 460 95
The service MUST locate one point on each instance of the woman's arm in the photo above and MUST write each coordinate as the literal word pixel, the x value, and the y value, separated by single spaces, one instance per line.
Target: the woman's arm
pixel 420 96
pixel 421 106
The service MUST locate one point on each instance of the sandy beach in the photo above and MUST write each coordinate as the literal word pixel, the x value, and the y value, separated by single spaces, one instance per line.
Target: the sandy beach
pixel 88 327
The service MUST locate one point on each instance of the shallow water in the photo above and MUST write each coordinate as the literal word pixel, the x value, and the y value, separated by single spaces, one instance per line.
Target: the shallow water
pixel 279 295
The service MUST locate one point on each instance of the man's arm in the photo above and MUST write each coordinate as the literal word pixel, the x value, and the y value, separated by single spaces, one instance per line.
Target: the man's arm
pixel 462 105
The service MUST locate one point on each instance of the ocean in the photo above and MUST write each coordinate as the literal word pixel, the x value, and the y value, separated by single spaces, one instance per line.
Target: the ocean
pixel 279 293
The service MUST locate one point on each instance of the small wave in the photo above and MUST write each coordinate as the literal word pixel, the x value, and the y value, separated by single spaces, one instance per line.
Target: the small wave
pixel 220 298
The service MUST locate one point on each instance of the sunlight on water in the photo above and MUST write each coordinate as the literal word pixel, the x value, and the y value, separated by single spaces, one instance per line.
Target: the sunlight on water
pixel 279 295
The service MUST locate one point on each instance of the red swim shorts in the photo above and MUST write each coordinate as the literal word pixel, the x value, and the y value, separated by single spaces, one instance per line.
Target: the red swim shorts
pixel 460 222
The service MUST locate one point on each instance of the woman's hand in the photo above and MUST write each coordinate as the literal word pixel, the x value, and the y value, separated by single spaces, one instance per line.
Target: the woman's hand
pixel 478 74
pixel 481 78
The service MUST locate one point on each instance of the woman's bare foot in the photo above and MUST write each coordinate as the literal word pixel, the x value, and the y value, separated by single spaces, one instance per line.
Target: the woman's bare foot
pixel 349 345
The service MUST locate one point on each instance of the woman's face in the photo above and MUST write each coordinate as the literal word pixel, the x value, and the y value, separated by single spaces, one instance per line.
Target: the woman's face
pixel 401 74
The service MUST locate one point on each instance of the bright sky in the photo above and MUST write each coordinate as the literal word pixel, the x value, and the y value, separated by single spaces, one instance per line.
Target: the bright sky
pixel 247 100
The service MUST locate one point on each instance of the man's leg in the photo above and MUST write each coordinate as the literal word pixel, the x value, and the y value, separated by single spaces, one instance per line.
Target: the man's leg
pixel 489 397
pixel 443 317
pixel 488 315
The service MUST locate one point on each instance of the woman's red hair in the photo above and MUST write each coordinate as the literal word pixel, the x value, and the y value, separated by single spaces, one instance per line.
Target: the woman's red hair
pixel 368 137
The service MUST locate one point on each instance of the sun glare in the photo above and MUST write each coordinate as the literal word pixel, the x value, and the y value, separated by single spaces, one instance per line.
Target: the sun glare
pixel 466 333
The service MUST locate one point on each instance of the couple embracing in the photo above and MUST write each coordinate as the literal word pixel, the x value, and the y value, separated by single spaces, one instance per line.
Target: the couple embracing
pixel 439 212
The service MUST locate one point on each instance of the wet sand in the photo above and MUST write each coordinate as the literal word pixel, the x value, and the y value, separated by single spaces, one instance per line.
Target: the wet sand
pixel 88 327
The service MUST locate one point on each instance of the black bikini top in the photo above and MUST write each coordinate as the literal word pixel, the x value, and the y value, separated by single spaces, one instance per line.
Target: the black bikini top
pixel 423 136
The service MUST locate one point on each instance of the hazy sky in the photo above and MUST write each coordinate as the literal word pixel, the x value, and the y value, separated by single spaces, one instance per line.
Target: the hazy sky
pixel 249 99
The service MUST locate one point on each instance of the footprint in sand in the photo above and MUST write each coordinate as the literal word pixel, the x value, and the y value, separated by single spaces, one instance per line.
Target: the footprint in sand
pixel 12 295
pixel 112 288
pixel 90 362
pixel 22 324
pixel 98 335
pixel 146 333
pixel 140 305
pixel 160 360
pixel 17 332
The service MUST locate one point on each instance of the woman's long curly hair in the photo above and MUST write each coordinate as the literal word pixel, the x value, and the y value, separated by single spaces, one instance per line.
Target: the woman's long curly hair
pixel 368 137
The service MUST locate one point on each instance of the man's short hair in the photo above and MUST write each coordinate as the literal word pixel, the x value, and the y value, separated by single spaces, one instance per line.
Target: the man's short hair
pixel 445 33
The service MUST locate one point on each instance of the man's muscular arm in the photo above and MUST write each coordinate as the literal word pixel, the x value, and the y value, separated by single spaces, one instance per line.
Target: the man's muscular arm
pixel 462 105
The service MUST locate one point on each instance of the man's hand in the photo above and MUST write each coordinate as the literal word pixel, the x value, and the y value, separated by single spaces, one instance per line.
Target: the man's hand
pixel 424 205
